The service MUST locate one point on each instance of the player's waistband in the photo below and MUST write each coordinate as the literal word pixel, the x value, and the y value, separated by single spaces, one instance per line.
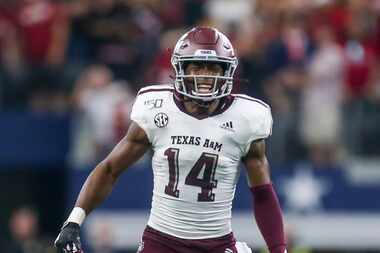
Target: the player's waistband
pixel 183 245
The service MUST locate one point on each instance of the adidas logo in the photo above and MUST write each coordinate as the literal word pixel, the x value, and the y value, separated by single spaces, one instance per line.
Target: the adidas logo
pixel 228 126
pixel 228 251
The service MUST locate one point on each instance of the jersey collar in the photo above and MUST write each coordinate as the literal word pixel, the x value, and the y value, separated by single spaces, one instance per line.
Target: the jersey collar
pixel 224 104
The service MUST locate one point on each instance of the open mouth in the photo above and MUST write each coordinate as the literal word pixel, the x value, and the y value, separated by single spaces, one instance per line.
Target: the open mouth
pixel 204 88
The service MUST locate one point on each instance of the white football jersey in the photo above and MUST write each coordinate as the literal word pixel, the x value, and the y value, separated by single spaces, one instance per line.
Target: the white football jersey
pixel 195 161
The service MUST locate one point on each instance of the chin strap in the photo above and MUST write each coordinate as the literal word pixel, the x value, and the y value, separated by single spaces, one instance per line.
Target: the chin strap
pixel 201 103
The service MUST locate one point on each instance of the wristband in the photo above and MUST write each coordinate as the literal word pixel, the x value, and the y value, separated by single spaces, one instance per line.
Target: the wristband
pixel 77 215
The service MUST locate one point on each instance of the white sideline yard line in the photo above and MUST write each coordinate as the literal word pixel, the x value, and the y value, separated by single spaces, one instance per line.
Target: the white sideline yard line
pixel 123 229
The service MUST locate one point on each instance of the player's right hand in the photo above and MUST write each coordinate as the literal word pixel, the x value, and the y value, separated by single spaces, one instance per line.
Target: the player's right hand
pixel 68 240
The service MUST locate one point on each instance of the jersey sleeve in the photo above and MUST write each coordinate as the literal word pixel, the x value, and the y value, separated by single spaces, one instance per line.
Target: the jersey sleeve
pixel 149 101
pixel 259 125
pixel 139 115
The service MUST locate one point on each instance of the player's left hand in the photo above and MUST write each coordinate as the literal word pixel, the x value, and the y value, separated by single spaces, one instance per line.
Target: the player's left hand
pixel 68 240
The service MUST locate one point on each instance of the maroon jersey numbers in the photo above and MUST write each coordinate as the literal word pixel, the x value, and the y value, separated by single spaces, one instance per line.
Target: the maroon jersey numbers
pixel 207 161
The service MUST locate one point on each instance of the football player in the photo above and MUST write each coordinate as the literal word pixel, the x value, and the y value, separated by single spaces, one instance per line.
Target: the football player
pixel 199 133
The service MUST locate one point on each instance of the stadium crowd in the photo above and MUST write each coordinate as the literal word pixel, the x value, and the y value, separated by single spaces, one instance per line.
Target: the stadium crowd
pixel 314 62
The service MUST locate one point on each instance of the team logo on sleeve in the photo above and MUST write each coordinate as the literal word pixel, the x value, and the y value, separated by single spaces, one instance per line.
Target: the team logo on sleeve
pixel 161 120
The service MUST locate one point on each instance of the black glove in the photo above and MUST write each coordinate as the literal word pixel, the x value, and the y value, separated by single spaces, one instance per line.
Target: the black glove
pixel 68 240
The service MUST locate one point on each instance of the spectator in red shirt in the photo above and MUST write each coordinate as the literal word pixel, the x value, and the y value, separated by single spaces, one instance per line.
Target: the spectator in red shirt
pixel 9 59
pixel 43 27
pixel 360 51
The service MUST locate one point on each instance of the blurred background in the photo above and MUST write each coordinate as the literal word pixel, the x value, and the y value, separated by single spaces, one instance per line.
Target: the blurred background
pixel 69 72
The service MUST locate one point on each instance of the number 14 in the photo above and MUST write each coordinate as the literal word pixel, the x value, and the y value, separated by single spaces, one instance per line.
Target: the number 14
pixel 207 161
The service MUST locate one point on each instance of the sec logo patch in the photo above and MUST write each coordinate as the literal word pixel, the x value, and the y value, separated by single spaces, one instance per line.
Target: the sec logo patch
pixel 161 120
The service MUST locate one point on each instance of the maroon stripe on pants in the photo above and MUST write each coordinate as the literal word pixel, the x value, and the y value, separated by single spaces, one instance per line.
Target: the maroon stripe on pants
pixel 157 242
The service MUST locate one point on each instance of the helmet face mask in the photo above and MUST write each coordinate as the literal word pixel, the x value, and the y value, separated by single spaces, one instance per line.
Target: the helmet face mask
pixel 204 46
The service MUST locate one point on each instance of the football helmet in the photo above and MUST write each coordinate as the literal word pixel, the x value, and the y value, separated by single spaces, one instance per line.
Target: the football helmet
pixel 204 44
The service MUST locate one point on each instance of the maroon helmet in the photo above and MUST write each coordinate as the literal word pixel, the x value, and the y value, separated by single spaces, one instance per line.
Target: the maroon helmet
pixel 204 44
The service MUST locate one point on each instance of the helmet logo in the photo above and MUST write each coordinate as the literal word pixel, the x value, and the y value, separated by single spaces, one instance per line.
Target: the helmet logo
pixel 201 52
pixel 226 46
pixel 161 120
pixel 206 52
pixel 184 45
